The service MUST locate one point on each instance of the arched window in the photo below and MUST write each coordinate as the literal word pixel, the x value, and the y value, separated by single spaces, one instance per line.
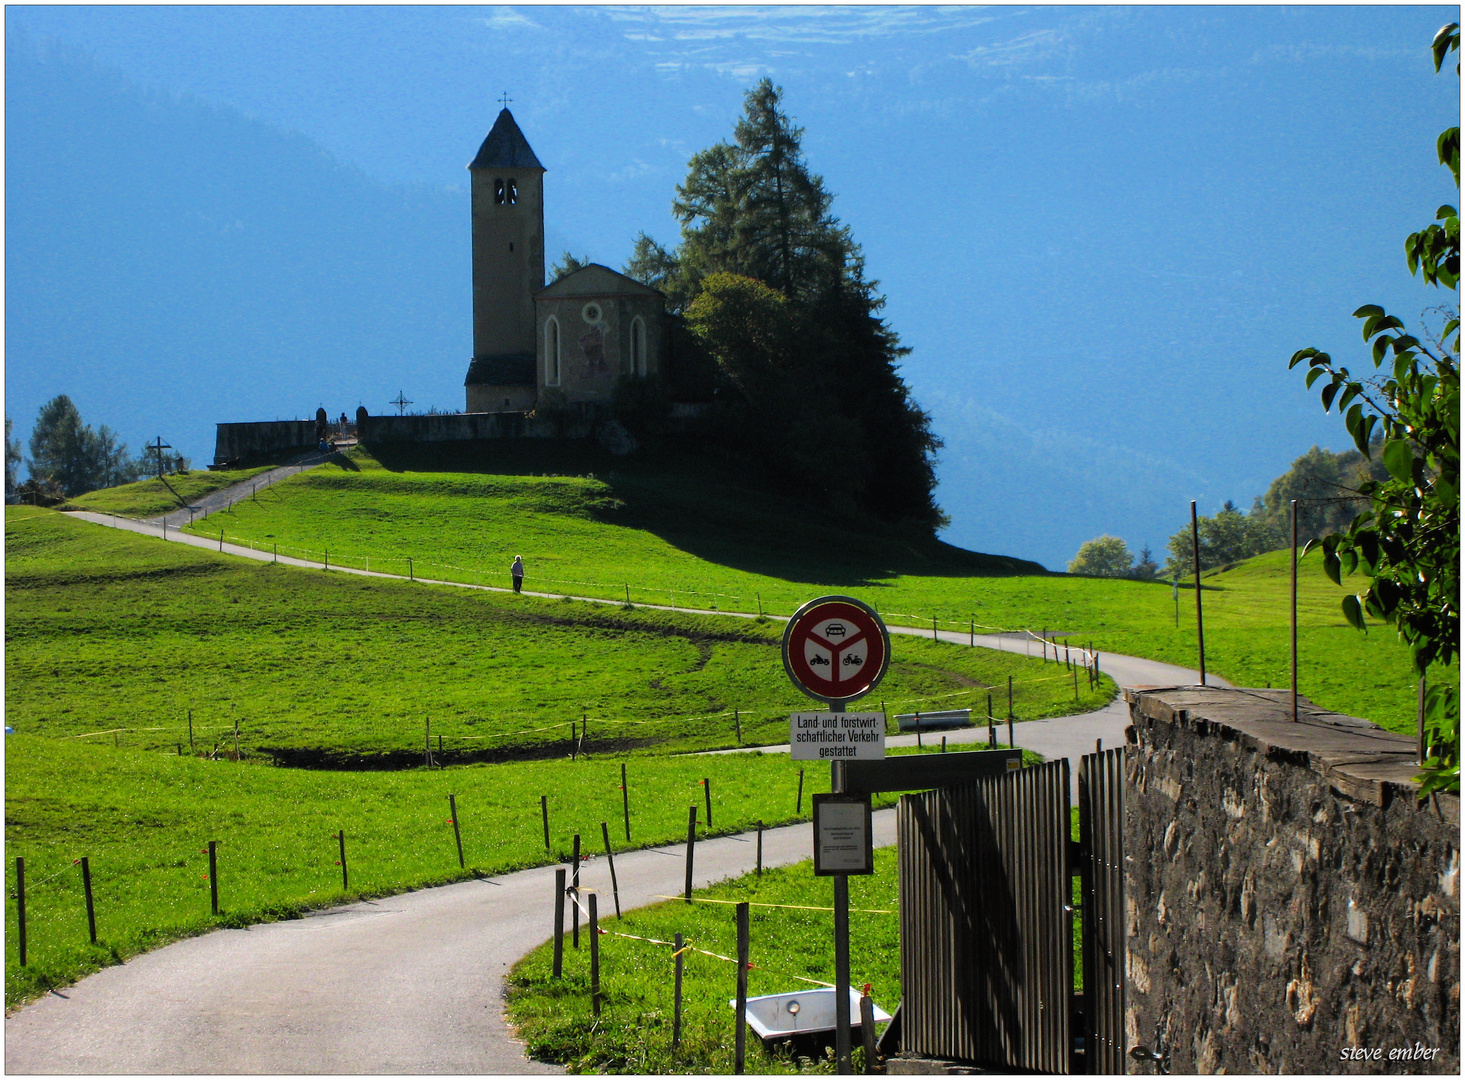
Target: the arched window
pixel 638 347
pixel 513 191
pixel 498 192
pixel 551 352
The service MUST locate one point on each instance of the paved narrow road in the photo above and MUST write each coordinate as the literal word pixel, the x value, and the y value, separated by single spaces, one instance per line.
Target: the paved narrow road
pixel 224 498
pixel 409 984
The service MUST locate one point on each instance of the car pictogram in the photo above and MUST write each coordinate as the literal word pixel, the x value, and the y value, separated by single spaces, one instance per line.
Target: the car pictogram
pixel 835 630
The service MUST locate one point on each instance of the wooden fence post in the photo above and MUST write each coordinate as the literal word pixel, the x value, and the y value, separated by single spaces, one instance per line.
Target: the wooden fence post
pixel 740 1045
pixel 691 844
pixel 559 922
pixel 626 802
pixel 457 836
pixel 345 878
pixel 707 796
pixel 676 1008
pixel 214 875
pixel 544 813
pixel 799 803
pixel 20 904
pixel 575 896
pixel 594 957
pixel 867 1029
pixel 615 889
pixel 760 849
pixel 1200 623
pixel 86 884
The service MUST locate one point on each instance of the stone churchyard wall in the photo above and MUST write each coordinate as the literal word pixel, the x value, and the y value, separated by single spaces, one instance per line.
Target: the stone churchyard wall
pixel 449 427
pixel 246 441
pixel 1289 907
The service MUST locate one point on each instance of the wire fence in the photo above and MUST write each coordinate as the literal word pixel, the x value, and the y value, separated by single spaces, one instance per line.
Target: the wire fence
pixel 220 740
pixel 430 571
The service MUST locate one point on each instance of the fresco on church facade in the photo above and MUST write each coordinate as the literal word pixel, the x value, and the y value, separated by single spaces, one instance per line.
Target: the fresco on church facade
pixel 592 344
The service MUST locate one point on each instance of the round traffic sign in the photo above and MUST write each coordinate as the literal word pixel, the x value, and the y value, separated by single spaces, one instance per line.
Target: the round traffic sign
pixel 836 648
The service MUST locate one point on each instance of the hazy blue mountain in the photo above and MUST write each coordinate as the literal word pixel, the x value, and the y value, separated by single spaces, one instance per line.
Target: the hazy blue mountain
pixel 171 264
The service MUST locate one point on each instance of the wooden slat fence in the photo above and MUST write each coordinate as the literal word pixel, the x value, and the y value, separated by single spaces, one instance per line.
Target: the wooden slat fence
pixel 986 936
pixel 1101 846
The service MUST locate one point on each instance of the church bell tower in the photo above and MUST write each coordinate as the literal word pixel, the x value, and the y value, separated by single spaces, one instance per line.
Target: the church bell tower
pixel 508 246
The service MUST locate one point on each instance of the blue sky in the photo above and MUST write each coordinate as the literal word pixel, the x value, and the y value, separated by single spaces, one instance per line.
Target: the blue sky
pixel 1102 231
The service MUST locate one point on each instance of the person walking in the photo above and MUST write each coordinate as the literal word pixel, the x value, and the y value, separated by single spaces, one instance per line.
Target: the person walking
pixel 517 570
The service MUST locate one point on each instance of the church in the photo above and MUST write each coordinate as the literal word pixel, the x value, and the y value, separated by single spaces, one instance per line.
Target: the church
pixel 542 354
pixel 562 346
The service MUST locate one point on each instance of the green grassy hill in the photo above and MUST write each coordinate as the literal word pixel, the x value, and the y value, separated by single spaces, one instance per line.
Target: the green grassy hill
pixel 113 638
pixel 106 629
pixel 671 529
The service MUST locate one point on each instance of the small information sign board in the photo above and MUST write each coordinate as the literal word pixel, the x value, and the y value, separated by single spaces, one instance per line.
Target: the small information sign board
pixel 837 736
pixel 844 842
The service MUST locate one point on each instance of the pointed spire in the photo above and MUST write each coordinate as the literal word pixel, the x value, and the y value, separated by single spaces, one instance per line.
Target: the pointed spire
pixel 505 147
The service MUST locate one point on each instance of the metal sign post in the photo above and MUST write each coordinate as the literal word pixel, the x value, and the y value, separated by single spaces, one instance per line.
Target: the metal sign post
pixel 836 649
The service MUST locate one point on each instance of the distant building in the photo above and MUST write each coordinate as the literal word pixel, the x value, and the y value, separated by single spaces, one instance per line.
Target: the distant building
pixel 563 345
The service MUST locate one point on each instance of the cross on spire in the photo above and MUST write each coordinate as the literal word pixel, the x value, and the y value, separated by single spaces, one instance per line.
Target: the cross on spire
pixel 400 401
pixel 504 101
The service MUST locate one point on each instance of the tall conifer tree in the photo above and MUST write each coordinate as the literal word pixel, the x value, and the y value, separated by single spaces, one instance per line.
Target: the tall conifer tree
pixel 828 362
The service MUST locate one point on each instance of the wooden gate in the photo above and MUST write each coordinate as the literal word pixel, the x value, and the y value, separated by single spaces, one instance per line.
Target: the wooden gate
pixel 1101 874
pixel 986 922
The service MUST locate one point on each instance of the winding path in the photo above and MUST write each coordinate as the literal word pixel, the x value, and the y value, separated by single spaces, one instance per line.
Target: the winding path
pixel 412 983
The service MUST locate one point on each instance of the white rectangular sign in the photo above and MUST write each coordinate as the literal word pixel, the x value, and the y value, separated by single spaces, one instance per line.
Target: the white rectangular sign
pixel 842 840
pixel 837 736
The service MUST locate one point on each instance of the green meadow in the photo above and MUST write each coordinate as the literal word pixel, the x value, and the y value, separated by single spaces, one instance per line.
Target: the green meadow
pixel 151 498
pixel 116 642
pixel 144 820
pixel 108 630
pixel 788 944
pixel 670 529
pixel 112 638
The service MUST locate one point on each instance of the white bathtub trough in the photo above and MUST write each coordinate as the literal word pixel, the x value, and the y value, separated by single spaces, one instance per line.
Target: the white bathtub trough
pixel 804 1012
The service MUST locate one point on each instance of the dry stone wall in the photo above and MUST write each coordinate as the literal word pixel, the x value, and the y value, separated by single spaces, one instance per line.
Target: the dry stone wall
pixel 1288 906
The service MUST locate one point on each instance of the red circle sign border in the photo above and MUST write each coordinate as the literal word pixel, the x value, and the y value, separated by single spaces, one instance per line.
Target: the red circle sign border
pixel 857 611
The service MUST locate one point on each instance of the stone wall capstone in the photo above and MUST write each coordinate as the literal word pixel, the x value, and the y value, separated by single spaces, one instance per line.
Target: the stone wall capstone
pixel 1288 906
